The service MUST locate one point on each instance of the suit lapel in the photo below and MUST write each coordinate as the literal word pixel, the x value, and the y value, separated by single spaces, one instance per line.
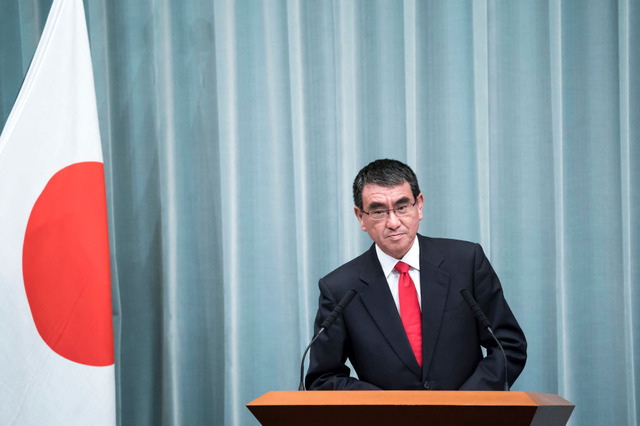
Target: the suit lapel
pixel 380 305
pixel 434 285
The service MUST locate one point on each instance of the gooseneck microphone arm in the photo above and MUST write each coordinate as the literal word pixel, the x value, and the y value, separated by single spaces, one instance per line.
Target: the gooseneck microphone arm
pixel 484 322
pixel 333 316
pixel 301 386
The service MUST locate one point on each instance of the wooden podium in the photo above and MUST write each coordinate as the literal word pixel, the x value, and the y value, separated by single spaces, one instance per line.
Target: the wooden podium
pixel 351 408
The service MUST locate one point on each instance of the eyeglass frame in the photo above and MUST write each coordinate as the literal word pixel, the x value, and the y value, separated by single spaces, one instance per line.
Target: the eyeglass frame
pixel 387 214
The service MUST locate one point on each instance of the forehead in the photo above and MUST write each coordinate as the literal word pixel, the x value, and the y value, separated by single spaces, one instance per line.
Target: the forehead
pixel 386 195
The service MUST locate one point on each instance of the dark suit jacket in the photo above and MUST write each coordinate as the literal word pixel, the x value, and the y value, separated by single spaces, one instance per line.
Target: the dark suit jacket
pixel 371 335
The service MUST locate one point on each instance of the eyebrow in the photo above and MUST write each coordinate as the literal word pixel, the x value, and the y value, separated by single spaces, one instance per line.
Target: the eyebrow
pixel 375 205
pixel 403 200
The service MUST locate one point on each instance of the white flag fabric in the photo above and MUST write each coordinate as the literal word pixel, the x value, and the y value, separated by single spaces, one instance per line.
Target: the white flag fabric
pixel 56 333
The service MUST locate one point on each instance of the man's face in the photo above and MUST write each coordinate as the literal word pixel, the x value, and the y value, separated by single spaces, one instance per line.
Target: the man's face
pixel 395 234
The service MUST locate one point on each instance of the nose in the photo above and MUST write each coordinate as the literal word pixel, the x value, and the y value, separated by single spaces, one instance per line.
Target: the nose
pixel 393 221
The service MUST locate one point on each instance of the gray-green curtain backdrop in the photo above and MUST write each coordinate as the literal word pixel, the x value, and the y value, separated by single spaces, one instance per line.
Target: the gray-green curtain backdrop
pixel 232 131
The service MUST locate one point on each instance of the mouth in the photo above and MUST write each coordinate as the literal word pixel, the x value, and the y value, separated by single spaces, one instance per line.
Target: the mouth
pixel 395 237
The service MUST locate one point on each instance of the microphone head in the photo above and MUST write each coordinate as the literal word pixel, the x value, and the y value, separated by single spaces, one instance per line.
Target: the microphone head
pixel 475 308
pixel 348 296
pixel 337 311
pixel 467 297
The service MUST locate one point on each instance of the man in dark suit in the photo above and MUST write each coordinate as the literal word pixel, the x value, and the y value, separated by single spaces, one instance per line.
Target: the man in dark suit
pixel 409 327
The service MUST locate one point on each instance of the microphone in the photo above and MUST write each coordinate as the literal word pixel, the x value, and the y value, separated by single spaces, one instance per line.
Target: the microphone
pixel 328 322
pixel 484 322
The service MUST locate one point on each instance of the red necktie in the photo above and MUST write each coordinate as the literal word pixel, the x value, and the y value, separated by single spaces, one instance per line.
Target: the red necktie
pixel 410 310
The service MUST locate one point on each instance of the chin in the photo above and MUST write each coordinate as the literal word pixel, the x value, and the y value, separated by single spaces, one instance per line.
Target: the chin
pixel 396 252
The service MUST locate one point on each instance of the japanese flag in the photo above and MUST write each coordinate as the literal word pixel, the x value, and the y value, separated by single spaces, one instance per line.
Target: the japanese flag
pixel 56 333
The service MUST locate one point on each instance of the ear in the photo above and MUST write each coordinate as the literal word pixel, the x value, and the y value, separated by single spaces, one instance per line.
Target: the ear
pixel 360 217
pixel 420 204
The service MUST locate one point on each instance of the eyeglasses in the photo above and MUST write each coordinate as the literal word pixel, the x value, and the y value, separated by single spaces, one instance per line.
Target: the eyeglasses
pixel 400 211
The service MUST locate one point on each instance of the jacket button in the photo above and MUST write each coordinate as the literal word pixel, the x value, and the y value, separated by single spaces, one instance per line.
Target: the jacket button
pixel 427 385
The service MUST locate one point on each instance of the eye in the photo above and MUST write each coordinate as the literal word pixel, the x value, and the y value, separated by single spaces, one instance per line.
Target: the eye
pixel 378 212
pixel 402 209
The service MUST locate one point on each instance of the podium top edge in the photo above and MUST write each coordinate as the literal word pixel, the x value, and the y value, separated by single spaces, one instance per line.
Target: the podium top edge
pixel 391 398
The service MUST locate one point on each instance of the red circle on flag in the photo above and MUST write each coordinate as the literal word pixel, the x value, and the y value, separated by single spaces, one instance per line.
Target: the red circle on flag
pixel 66 265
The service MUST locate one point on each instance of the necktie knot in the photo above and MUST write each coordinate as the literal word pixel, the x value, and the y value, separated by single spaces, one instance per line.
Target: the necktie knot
pixel 402 267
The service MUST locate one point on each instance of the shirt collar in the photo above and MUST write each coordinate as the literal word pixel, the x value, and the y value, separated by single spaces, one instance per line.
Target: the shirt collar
pixel 412 258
